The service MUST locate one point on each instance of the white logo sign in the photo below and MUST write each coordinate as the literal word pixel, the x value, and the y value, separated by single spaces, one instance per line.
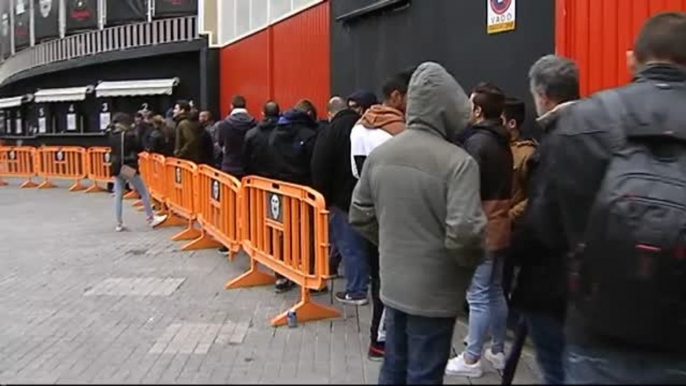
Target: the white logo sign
pixel 13 155
pixel 501 15
pixel 215 190
pixel 107 158
pixel 178 175
pixel 60 155
pixel 45 7
pixel 275 207
pixel 21 7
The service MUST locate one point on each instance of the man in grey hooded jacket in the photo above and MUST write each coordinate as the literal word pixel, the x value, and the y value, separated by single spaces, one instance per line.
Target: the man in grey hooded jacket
pixel 419 200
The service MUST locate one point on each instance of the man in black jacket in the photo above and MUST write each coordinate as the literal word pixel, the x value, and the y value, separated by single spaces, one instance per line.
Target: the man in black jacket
pixel 489 145
pixel 256 153
pixel 231 134
pixel 290 150
pixel 591 133
pixel 540 293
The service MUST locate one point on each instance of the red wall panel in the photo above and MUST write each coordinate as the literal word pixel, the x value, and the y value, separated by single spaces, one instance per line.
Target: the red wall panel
pixel 302 58
pixel 597 34
pixel 244 69
pixel 286 62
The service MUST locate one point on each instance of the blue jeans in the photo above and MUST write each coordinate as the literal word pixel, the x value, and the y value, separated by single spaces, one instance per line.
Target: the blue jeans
pixel 353 250
pixel 138 184
pixel 417 349
pixel 547 334
pixel 585 365
pixel 487 307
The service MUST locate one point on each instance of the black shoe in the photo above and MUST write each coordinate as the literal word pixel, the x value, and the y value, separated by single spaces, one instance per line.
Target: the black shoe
pixel 283 285
pixel 223 250
pixel 352 299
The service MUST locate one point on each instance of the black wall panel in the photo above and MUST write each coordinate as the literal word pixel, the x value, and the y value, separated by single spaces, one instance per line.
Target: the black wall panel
pixel 22 24
pixel 124 11
pixel 367 50
pixel 46 16
pixel 170 8
pixel 82 15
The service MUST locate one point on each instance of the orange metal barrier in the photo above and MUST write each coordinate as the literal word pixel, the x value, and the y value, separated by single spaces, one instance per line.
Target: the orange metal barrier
pixel 18 162
pixel 217 210
pixel 285 228
pixel 156 178
pixel 180 197
pixel 61 162
pixel 98 162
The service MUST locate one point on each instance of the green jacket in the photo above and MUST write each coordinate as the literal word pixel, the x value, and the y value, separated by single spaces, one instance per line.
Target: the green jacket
pixel 188 144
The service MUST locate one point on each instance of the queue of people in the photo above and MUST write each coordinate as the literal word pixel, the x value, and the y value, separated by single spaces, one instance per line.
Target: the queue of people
pixel 436 197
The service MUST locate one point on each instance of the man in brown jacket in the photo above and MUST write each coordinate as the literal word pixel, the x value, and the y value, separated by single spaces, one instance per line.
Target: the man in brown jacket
pixel 522 149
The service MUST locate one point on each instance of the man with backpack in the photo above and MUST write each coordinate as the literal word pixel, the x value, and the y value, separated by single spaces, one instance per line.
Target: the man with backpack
pixel 615 199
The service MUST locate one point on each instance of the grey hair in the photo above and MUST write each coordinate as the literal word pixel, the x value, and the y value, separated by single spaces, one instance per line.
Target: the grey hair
pixel 555 77
pixel 336 105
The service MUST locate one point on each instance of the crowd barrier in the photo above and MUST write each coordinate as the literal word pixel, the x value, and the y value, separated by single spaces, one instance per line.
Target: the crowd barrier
pixel 18 162
pixel 61 163
pixel 281 226
pixel 98 168
pixel 285 228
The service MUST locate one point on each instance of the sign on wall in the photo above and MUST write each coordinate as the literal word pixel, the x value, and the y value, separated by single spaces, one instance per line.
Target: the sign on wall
pixel 501 15
pixel 22 23
pixel 46 19
pixel 170 8
pixel 5 28
pixel 122 11
pixel 82 14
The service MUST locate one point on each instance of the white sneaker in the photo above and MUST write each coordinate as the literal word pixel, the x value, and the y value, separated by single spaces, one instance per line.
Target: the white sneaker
pixel 497 360
pixel 120 228
pixel 457 366
pixel 157 220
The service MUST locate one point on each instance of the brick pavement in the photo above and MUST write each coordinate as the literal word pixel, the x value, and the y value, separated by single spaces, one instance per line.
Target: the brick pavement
pixel 83 304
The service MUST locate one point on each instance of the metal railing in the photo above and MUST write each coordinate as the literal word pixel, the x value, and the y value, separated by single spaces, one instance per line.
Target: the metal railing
pixel 100 41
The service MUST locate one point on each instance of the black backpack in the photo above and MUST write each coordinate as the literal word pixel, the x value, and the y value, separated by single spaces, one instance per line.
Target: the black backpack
pixel 628 277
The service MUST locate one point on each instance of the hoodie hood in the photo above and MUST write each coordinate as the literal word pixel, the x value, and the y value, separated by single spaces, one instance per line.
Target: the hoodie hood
pixel 181 117
pixel 295 116
pixel 436 102
pixel 241 120
pixel 268 123
pixel 385 118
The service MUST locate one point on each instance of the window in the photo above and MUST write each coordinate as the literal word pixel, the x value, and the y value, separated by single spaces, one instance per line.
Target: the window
pixel 278 8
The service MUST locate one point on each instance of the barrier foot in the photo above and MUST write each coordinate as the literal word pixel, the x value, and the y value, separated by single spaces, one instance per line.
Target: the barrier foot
pixel 132 195
pixel 77 187
pixel 46 185
pixel 253 278
pixel 172 221
pixel 3 183
pixel 233 251
pixel 205 241
pixel 95 189
pixel 28 184
pixel 306 311
pixel 189 233
pixel 138 204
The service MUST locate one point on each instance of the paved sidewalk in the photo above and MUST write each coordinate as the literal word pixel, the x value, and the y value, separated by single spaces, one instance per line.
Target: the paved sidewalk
pixel 83 304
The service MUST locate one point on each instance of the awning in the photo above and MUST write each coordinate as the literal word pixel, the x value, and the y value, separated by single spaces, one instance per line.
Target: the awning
pixel 9 103
pixel 69 94
pixel 136 88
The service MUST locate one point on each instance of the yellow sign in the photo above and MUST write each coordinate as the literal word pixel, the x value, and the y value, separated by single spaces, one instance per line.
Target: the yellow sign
pixel 502 16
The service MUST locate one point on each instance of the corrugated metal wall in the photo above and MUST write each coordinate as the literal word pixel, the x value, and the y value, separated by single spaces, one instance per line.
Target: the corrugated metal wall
pixel 285 62
pixel 597 34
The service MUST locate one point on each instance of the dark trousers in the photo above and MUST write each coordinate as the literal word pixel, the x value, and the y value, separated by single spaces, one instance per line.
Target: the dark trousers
pixel 377 305
pixel 547 334
pixel 417 349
